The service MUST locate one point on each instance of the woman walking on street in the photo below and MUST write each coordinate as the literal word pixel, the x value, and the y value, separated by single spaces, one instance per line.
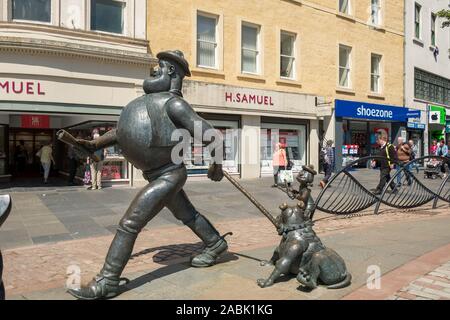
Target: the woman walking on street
pixel 433 148
pixel 96 167
pixel 279 162
pixel 46 157
pixel 414 153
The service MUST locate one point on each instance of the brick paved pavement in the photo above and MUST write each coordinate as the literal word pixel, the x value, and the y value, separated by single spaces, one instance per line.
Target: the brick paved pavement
pixel 435 285
pixel 60 213
pixel 41 267
pixel 53 229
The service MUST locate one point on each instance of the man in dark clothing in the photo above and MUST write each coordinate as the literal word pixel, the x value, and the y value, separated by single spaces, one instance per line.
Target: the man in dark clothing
pixel 387 150
pixel 73 164
pixel 21 156
pixel 328 162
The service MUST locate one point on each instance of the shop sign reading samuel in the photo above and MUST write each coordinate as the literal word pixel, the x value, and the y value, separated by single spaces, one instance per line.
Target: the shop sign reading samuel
pixel 370 111
pixel 21 87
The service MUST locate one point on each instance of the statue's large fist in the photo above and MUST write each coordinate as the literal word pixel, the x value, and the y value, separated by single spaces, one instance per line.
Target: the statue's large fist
pixel 215 172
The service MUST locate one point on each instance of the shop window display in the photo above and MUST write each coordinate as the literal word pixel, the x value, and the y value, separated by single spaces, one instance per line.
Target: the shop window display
pixel 115 167
pixel 360 139
pixel 293 139
pixel 199 159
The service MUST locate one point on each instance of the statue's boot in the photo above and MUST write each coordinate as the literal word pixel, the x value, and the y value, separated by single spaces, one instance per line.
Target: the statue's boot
pixel 106 284
pixel 215 244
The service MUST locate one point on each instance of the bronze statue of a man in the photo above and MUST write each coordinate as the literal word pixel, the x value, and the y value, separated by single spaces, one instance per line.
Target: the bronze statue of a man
pixel 144 134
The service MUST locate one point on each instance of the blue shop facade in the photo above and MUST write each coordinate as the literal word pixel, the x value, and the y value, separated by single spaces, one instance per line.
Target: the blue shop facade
pixel 356 125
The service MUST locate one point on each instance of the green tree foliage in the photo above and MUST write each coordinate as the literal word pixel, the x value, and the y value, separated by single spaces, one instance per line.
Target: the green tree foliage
pixel 444 14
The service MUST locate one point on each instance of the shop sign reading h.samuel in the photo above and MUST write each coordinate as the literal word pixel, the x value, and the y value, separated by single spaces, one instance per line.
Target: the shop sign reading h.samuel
pixel 371 111
pixel 240 97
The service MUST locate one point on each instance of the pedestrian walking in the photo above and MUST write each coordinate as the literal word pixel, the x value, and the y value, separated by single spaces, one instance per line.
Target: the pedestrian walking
pixel 279 162
pixel 73 165
pixel 442 151
pixel 46 156
pixel 21 156
pixel 96 167
pixel 433 148
pixel 328 162
pixel 414 152
pixel 403 157
pixel 387 151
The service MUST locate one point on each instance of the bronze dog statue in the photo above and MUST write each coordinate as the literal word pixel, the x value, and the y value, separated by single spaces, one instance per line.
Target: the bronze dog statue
pixel 301 252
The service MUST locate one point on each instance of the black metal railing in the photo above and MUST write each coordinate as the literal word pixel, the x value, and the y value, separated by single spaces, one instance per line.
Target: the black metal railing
pixel 344 194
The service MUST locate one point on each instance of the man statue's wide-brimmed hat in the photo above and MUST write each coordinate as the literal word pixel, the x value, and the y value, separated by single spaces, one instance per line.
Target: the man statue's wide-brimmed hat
pixel 310 169
pixel 178 57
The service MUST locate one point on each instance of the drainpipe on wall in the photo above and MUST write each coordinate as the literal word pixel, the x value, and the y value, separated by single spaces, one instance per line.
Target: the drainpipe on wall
pixel 404 54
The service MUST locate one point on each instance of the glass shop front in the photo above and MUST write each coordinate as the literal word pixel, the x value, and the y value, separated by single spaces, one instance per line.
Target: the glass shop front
pixel 198 160
pixel 360 138
pixel 291 135
pixel 115 166
pixel 357 124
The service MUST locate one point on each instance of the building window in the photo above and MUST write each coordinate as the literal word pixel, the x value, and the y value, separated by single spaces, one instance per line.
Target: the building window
pixel 376 12
pixel 430 87
pixel 32 10
pixel 287 55
pixel 375 73
pixel 207 41
pixel 250 49
pixel 344 6
pixel 417 12
pixel 344 66
pixel 107 15
pixel 433 29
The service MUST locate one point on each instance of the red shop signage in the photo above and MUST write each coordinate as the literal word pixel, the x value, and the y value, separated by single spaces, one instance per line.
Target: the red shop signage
pixel 35 121
pixel 248 98
pixel 21 87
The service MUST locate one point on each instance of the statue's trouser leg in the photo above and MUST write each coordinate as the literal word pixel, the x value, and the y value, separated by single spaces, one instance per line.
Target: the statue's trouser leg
pixel 183 210
pixel 145 206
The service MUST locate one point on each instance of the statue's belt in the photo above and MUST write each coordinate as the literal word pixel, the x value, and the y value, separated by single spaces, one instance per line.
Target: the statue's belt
pixel 156 173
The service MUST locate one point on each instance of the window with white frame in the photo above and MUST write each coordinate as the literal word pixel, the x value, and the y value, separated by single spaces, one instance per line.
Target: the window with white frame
pixel 345 66
pixel 32 10
pixel 376 12
pixel 417 20
pixel 250 48
pixel 433 29
pixel 344 6
pixel 375 73
pixel 207 41
pixel 107 16
pixel 287 55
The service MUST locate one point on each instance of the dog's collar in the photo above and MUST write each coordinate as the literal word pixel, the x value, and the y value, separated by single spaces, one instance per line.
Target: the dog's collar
pixel 287 229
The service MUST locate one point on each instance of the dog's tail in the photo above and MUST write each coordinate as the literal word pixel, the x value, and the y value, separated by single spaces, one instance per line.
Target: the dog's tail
pixel 344 283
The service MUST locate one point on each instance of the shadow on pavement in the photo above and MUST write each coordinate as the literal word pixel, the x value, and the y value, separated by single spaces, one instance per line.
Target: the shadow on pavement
pixel 30 184
pixel 146 278
pixel 172 251
pixel 168 269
